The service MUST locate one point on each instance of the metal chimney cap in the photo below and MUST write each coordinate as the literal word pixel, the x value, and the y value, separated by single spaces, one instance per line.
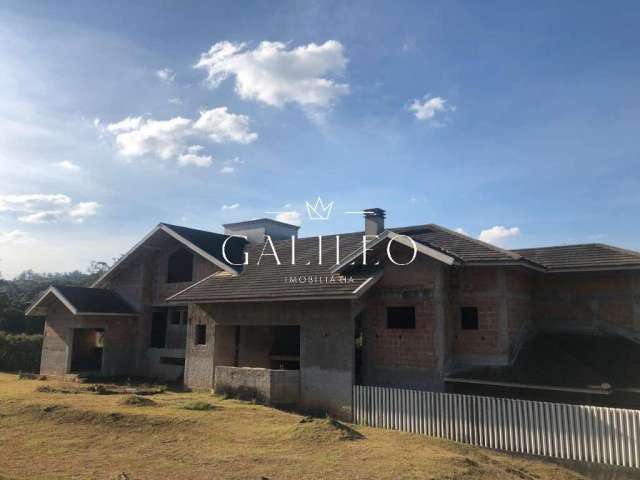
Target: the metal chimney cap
pixel 374 212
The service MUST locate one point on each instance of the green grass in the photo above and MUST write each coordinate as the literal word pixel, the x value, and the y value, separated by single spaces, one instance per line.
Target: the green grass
pixel 54 435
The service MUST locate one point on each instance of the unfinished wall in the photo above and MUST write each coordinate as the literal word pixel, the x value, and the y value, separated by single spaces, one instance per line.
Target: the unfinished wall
pixel 406 357
pixel 199 361
pixel 519 291
pixel 58 341
pixel 503 297
pixel 476 287
pixel 326 346
pixel 589 301
pixel 271 387
pixel 143 282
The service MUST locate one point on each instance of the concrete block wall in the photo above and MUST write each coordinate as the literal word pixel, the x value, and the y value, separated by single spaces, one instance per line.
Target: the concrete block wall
pixel 199 359
pixel 58 341
pixel 143 283
pixel 271 387
pixel 326 346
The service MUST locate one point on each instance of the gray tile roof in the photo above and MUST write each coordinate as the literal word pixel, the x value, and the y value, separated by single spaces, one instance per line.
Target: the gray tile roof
pixel 458 245
pixel 589 256
pixel 88 300
pixel 305 279
pixel 211 242
pixel 271 281
pixel 96 300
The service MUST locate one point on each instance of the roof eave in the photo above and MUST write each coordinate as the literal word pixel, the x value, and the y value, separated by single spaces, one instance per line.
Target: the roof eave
pixel 597 391
pixel 353 295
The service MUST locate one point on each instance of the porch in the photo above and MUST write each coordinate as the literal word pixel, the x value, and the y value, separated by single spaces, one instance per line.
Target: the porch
pixel 277 353
pixel 263 363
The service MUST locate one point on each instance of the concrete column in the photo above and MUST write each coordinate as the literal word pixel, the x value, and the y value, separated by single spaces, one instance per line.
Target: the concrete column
pixel 635 298
pixel 440 302
pixel 503 312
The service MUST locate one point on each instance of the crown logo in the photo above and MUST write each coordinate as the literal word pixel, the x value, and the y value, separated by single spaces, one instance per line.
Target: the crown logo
pixel 319 211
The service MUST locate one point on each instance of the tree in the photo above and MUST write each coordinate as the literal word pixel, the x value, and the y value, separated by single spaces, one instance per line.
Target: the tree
pixel 17 294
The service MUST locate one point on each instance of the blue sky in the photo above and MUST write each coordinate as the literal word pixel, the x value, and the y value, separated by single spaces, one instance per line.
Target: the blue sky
pixel 473 115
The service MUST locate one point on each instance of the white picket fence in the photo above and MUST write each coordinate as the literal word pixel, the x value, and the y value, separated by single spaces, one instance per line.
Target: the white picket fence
pixel 573 432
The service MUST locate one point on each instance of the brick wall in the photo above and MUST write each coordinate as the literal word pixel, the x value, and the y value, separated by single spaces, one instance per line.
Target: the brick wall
pixel 589 300
pixel 401 286
pixel 519 290
pixel 475 287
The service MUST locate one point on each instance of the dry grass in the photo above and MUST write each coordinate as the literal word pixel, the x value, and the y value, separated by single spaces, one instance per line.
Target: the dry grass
pixel 53 435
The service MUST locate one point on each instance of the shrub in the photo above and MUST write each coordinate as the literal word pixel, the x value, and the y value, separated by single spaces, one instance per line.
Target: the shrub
pixel 137 401
pixel 20 352
pixel 197 405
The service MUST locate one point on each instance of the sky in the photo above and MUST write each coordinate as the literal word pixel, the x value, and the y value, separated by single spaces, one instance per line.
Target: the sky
pixel 515 122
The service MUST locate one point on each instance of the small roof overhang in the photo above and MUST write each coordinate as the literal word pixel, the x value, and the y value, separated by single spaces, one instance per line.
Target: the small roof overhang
pixel 82 301
pixel 197 293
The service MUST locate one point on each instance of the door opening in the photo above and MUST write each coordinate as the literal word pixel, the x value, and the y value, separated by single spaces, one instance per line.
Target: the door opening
pixel 86 353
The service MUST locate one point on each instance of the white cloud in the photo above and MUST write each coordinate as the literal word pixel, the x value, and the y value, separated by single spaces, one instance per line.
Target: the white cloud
pixel 166 75
pixel 276 76
pixel 15 236
pixel 427 108
pixel 227 169
pixel 84 210
pixel 163 138
pixel 461 230
pixel 124 125
pixel 46 216
pixel 169 139
pixel 221 126
pixel 187 159
pixel 46 208
pixel 67 165
pixel 32 202
pixel 498 235
pixel 175 101
pixel 230 207
pixel 293 217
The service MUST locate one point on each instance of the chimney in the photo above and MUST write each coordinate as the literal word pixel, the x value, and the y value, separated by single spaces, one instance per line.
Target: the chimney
pixel 374 221
pixel 256 230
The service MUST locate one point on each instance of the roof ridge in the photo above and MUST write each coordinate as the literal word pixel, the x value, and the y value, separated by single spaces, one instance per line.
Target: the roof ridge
pixel 510 253
pixel 557 246
pixel 172 226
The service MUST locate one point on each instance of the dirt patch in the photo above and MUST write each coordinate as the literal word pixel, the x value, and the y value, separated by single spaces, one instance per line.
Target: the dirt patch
pixel 31 376
pixel 64 414
pixel 143 390
pixel 64 389
pixel 324 430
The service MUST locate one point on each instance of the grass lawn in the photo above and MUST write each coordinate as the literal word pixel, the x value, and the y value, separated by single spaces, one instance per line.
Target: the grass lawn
pixel 47 434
